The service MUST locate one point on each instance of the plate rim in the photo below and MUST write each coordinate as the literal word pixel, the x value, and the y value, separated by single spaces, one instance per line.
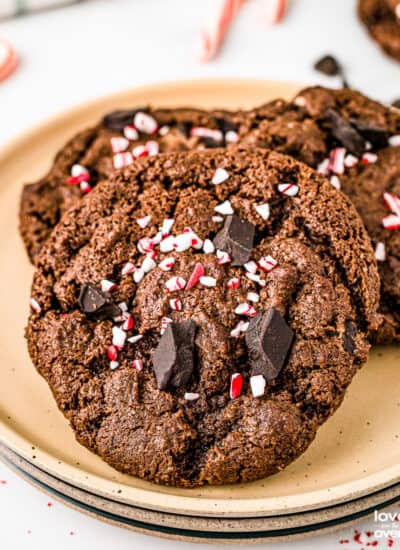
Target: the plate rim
pixel 144 497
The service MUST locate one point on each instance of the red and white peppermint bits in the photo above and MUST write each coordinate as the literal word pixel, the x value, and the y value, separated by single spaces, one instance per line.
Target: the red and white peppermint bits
pixel 350 161
pixel 267 263
pixel 8 60
pixel 369 158
pixel 138 275
pixel 119 144
pixel 323 167
pixel 394 141
pixel 128 323
pixel 112 353
pixel 223 257
pixel 392 202
pixel 245 309
pixel 253 297
pixel 380 252
pixel 144 221
pixel 208 247
pixel 391 222
pixel 336 160
pixel 114 365
pixel 85 187
pixel 165 321
pixel 130 132
pixel 128 269
pixel 195 240
pixel 255 277
pixel 176 304
pixel 135 338
pixel 250 267
pixel 107 286
pixel 288 189
pixel 167 226
pixel 79 174
pixel 335 182
pixel 145 245
pixel 225 208
pixel 191 396
pixel 182 242
pixel 208 282
pixel 263 210
pixel 119 337
pixel 233 283
pixel 236 387
pixel 148 264
pixel 167 244
pixel 257 385
pixel 240 328
pixel 139 151
pixel 231 136
pixel 175 283
pixel 152 148
pixel 35 305
pixel 202 132
pixel 137 364
pixel 145 123
pixel 120 160
pixel 166 264
pixel 195 277
pixel 220 176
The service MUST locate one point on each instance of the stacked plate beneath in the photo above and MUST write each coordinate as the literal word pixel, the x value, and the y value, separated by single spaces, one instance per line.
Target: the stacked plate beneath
pixel 351 468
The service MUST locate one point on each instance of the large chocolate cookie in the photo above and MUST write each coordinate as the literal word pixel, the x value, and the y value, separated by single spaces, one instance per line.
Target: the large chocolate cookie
pixel 199 316
pixel 93 154
pixel 382 19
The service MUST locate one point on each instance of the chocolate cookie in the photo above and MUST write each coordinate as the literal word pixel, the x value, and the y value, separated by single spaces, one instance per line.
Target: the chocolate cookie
pixel 382 19
pixel 246 286
pixel 118 140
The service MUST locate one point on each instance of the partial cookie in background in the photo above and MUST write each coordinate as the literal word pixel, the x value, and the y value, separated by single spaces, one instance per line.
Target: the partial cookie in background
pixel 182 387
pixel 382 19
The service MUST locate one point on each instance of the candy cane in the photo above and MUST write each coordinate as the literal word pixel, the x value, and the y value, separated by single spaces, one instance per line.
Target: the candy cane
pixel 8 60
pixel 274 10
pixel 213 35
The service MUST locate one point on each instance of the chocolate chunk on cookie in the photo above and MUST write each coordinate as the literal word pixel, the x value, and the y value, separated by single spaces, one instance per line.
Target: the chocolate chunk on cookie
pixel 211 373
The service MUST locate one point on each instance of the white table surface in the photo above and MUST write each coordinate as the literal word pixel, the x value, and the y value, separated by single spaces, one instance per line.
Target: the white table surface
pixel 100 46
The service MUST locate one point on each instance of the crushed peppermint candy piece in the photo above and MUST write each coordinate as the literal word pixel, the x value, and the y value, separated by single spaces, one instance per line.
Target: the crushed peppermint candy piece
pixel 253 297
pixel 189 396
pixel 123 306
pixel 195 240
pixel 128 323
pixel 380 252
pixel 148 264
pixel 202 132
pixel 208 282
pixel 257 385
pixel 85 187
pixel 392 202
pixel 250 267
pixel 263 210
pixel 138 275
pixel 135 338
pixel 350 161
pixel 128 268
pixel 158 237
pixel 220 176
pixel 165 321
pixel 167 244
pixel 223 257
pixel 323 167
pixel 121 160
pixel 394 141
pixel 182 242
pixel 140 151
pixel 145 123
pixel 114 365
pixel 336 160
pixel 107 286
pixel 119 144
pixel 234 283
pixel 79 170
pixel 231 136
pixel 194 278
pixel 137 364
pixel 112 353
pixel 236 385
pixel 145 245
pixel 225 208
pixel 288 189
pixel 130 132
pixel 245 309
pixel 35 305
pixel 208 247
pixel 166 264
pixel 176 304
pixel 256 278
pixel 167 226
pixel 144 221
pixel 175 283
pixel 152 148
pixel 267 263
pixel 369 158
pixel 163 131
pixel 240 328
pixel 335 181
pixel 391 222
pixel 217 219
pixel 119 337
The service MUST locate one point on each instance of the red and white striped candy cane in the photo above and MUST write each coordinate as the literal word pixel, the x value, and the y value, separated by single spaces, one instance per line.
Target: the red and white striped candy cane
pixel 274 10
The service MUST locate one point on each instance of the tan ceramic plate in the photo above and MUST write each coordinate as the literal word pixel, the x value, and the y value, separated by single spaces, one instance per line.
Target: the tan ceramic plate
pixel 356 453
pixel 205 529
